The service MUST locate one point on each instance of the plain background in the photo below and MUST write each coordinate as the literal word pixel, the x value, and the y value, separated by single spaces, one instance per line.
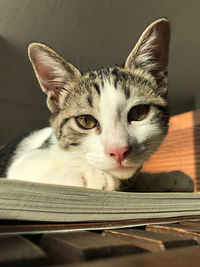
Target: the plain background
pixel 90 34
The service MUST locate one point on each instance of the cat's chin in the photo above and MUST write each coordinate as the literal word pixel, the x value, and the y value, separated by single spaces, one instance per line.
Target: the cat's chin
pixel 122 172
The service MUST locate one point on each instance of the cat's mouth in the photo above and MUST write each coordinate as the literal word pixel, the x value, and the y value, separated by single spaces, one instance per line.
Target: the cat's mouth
pixel 123 172
pixel 121 168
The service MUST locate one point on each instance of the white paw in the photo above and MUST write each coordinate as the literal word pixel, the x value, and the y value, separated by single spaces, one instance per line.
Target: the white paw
pixel 100 180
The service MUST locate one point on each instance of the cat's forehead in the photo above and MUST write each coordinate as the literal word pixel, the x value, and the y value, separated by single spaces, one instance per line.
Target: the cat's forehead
pixel 112 85
pixel 120 79
pixel 117 76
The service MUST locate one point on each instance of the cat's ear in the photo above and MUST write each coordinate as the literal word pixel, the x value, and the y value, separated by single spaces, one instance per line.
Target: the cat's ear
pixel 152 50
pixel 54 74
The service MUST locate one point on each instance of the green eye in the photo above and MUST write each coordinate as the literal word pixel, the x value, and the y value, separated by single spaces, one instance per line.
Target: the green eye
pixel 138 113
pixel 86 122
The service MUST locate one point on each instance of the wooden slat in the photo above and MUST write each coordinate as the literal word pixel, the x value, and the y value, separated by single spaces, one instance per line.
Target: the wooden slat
pixel 179 257
pixel 174 157
pixel 196 223
pixel 185 120
pixel 185 228
pixel 151 240
pixel 80 246
pixel 181 148
pixel 14 227
pixel 19 250
pixel 148 246
pixel 181 230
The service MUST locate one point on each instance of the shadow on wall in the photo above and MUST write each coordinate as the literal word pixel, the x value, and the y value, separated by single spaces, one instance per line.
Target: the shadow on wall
pixel 21 108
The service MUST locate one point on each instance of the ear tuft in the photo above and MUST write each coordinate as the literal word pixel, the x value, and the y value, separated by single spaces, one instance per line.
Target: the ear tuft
pixel 52 71
pixel 152 50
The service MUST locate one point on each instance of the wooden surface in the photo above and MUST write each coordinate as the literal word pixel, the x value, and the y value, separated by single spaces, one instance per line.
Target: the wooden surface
pixel 180 149
pixel 152 241
pixel 184 257
pixel 84 245
pixel 19 250
pixel 25 227
pixel 176 244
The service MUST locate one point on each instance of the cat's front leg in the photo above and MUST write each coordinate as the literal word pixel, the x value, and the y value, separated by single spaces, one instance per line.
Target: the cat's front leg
pixel 175 181
pixel 88 178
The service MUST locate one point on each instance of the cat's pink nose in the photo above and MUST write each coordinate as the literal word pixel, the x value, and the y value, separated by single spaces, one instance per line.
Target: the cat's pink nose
pixel 118 153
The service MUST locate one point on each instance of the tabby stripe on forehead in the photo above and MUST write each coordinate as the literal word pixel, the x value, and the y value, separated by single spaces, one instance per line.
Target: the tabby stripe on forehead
pixel 89 99
pixel 120 74
pixel 116 82
pixel 100 74
pixel 115 72
pixel 92 76
pixel 127 92
pixel 62 125
pixel 142 80
pixel 97 88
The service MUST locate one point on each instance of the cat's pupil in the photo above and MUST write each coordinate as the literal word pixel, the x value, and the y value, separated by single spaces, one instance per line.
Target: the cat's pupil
pixel 86 121
pixel 138 113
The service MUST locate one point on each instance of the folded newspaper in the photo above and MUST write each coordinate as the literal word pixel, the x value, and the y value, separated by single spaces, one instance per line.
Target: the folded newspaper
pixel 27 201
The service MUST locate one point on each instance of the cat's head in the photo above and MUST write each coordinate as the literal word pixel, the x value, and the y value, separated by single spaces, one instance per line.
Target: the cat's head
pixel 112 119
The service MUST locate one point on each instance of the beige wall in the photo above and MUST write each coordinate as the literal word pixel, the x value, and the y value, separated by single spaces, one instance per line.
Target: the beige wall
pixel 90 34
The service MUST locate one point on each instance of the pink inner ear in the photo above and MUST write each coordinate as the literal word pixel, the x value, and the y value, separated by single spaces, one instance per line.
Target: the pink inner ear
pixel 46 77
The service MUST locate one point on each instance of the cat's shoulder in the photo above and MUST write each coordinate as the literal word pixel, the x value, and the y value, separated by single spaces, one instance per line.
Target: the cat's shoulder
pixel 22 144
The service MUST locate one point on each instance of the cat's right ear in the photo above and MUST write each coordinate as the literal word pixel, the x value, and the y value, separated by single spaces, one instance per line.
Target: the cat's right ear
pixel 152 50
pixel 54 74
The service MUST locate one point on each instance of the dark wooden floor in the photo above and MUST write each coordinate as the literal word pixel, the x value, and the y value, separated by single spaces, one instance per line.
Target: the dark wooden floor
pixel 152 245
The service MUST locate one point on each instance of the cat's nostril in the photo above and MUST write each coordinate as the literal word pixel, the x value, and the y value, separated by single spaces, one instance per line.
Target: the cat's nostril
pixel 118 153
pixel 126 153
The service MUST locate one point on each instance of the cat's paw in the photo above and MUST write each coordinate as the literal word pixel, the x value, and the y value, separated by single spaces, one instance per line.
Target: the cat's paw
pixel 87 178
pixel 175 181
pixel 179 182
pixel 98 179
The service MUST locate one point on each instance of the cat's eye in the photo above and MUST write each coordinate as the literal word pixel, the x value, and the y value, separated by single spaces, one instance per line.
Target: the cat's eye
pixel 86 122
pixel 138 113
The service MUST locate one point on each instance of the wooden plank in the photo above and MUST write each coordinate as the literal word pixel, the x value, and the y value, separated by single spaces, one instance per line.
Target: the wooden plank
pixel 19 250
pixel 178 257
pixel 180 150
pixel 181 230
pixel 151 240
pixel 191 223
pixel 185 120
pixel 25 227
pixel 192 228
pixel 80 246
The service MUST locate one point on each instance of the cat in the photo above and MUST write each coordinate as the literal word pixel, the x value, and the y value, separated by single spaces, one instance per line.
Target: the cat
pixel 104 124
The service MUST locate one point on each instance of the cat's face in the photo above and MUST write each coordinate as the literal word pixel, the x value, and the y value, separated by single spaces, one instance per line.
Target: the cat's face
pixel 108 110
pixel 115 118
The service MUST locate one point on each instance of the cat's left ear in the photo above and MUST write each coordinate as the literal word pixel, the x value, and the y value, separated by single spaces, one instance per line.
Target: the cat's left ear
pixel 55 75
pixel 152 50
